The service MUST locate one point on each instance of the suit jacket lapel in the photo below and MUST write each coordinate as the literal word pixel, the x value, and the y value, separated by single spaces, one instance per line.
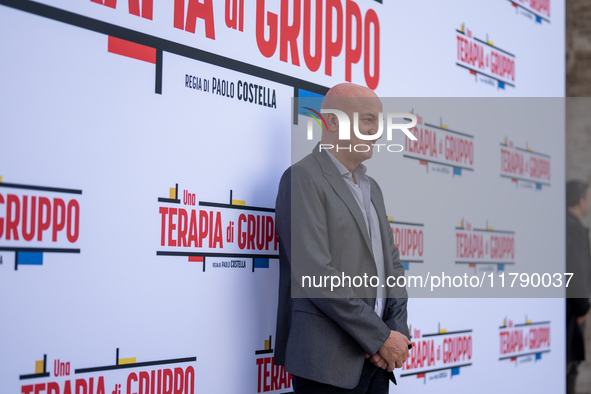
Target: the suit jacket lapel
pixel 340 187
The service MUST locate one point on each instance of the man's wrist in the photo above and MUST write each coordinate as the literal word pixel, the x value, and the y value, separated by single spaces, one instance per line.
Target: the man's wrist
pixel 380 340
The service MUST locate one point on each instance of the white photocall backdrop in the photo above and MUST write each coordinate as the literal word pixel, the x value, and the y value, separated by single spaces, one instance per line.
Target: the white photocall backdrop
pixel 152 265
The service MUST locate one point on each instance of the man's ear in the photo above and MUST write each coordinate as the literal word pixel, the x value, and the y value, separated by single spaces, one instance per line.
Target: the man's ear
pixel 332 122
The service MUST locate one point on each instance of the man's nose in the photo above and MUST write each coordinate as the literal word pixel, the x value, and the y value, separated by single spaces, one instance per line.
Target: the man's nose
pixel 373 130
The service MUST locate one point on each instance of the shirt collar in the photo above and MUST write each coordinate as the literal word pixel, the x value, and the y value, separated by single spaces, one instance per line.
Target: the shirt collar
pixel 361 169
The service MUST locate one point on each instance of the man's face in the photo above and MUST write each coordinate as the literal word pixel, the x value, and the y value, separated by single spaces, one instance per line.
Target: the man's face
pixel 368 109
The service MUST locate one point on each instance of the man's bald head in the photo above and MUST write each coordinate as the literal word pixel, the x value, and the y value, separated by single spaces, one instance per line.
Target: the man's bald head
pixel 363 109
pixel 334 98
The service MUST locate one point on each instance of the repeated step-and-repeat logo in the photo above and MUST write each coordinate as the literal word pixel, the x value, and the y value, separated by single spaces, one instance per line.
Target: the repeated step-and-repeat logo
pixel 125 375
pixel 484 248
pixel 271 378
pixel 437 355
pixel 536 10
pixel 439 148
pixel 409 238
pixel 524 342
pixel 524 166
pixel 217 235
pixel 485 61
pixel 35 220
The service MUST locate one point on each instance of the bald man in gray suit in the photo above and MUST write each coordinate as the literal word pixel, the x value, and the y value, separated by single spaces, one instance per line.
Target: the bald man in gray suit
pixel 331 221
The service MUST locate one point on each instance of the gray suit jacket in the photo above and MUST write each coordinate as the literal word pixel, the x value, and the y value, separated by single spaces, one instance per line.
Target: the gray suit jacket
pixel 324 335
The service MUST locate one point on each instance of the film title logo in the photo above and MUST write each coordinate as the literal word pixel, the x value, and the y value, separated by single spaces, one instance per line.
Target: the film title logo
pixel 145 377
pixel 524 342
pixel 341 27
pixel 36 220
pixel 409 238
pixel 440 148
pixel 482 57
pixel 438 354
pixel 230 231
pixel 524 166
pixel 336 29
pixel 271 377
pixel 538 10
pixel 484 248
